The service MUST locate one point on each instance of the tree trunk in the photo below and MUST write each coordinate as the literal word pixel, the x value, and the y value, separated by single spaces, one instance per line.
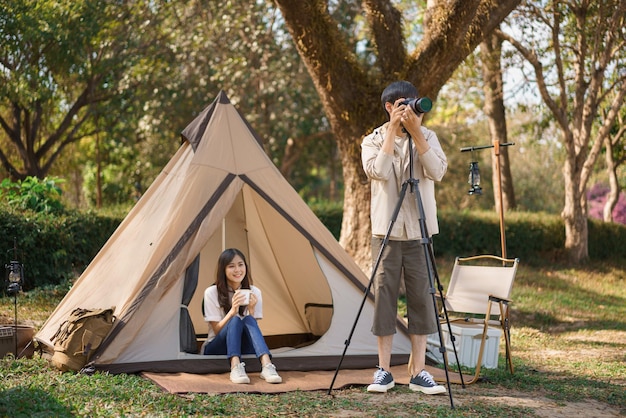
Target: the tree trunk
pixel 98 173
pixel 613 196
pixel 490 51
pixel 355 226
pixel 350 90
pixel 612 165
pixel 574 214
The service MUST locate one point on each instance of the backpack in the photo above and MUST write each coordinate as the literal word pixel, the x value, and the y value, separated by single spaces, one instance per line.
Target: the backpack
pixel 80 336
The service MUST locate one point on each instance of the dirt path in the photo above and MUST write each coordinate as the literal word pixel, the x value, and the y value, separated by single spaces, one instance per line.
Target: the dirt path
pixel 540 405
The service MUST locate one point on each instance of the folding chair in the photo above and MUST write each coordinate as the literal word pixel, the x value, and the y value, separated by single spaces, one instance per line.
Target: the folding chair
pixel 478 293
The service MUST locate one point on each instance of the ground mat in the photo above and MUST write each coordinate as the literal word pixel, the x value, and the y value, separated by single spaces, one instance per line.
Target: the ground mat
pixel 292 381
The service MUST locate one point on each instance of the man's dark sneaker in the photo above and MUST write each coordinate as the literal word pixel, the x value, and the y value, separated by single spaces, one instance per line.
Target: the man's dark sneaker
pixel 425 383
pixel 383 381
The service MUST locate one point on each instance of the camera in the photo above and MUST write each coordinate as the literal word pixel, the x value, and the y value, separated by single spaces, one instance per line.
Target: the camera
pixel 419 105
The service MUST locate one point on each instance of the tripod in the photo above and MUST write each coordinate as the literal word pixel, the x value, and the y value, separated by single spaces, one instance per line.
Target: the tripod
pixel 426 242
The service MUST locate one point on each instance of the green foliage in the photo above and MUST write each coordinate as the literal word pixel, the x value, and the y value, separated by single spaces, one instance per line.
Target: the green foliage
pixel 261 72
pixel 608 240
pixel 58 247
pixel 118 187
pixel 110 98
pixel 72 71
pixel 55 248
pixel 528 235
pixel 330 213
pixel 33 194
pixel 532 237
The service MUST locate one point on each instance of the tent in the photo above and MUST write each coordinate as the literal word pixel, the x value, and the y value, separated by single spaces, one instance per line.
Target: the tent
pixel 220 190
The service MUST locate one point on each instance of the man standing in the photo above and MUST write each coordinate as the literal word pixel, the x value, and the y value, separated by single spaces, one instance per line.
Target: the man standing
pixel 386 160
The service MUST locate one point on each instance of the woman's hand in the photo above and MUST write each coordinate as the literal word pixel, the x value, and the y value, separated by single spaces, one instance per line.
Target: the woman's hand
pixel 252 304
pixel 237 301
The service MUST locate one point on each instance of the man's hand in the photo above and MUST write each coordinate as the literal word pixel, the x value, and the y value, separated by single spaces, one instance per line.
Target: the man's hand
pixel 396 114
pixel 410 120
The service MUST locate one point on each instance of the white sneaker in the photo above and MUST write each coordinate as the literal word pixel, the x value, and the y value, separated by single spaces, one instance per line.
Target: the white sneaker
pixel 383 381
pixel 425 383
pixel 269 374
pixel 238 374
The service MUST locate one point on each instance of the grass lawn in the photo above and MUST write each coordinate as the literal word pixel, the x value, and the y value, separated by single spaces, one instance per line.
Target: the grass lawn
pixel 569 351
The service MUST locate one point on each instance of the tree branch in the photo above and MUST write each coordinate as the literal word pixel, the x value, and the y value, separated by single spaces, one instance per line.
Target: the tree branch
pixel 556 44
pixel 531 57
pixel 333 67
pixel 83 100
pixel 33 129
pixel 57 152
pixel 7 128
pixel 591 92
pixel 460 26
pixel 386 23
pixel 16 137
pixel 7 164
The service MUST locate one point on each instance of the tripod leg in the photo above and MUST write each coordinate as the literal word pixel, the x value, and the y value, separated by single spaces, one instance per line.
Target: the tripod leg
pixel 430 264
pixel 447 318
pixel 394 217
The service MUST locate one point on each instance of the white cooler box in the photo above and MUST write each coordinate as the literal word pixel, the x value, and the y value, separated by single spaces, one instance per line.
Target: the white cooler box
pixel 468 338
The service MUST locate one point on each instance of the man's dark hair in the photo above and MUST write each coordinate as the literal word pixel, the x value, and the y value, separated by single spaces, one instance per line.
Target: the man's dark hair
pixel 397 90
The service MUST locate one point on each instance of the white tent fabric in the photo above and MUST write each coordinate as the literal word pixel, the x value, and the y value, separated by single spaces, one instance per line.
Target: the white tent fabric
pixel 220 190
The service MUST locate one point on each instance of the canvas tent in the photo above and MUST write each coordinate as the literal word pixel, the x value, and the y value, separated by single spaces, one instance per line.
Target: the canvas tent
pixel 220 190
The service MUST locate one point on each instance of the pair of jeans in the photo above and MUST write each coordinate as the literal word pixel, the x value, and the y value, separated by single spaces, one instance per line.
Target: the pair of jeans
pixel 239 336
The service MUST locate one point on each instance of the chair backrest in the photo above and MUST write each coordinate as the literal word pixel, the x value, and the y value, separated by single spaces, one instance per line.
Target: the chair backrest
pixel 474 279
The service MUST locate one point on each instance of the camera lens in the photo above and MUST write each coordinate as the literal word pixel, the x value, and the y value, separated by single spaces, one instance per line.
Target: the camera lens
pixel 419 105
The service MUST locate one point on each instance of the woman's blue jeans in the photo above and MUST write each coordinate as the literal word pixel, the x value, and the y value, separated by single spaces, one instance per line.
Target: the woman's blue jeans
pixel 239 336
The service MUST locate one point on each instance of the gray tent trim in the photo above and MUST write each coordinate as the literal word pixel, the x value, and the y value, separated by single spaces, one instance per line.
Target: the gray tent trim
pixel 308 236
pixel 401 325
pixel 193 227
pixel 193 132
pixel 222 365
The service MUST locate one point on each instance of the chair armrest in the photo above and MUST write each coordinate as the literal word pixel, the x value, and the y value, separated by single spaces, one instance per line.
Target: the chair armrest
pixel 498 299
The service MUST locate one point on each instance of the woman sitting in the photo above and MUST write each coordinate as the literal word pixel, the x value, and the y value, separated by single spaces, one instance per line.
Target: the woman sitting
pixel 232 307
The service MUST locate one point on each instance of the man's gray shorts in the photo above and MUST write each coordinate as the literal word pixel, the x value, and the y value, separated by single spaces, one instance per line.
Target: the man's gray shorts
pixel 399 257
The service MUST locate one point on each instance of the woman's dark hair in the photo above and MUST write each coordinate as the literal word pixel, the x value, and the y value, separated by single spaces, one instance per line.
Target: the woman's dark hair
pixel 222 283
pixel 397 90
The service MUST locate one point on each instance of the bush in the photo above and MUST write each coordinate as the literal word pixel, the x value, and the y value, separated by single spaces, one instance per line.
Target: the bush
pixel 56 248
pixel 528 236
pixel 331 214
pixel 607 240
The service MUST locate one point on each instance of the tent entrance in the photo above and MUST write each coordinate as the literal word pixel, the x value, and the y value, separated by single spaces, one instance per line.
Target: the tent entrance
pixel 281 263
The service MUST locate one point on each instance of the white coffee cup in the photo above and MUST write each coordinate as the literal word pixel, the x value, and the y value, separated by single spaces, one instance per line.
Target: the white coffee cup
pixel 246 293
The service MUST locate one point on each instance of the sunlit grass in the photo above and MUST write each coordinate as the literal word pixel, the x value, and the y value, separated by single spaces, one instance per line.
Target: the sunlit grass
pixel 569 344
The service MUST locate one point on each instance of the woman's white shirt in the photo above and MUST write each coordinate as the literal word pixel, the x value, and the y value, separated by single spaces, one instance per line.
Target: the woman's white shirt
pixel 214 313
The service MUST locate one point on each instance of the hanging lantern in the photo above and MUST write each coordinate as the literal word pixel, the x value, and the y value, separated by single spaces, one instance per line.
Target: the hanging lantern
pixel 474 179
